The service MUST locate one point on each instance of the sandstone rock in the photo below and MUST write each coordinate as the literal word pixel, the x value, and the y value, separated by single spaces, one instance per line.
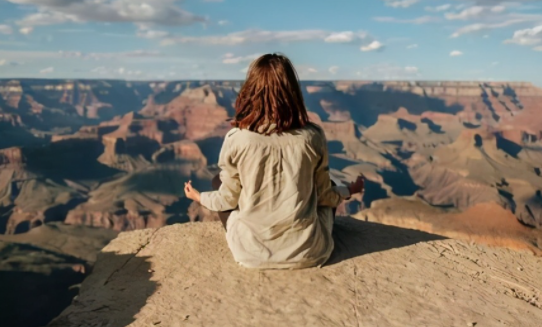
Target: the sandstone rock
pixel 144 199
pixel 378 275
pixel 197 111
pixel 484 223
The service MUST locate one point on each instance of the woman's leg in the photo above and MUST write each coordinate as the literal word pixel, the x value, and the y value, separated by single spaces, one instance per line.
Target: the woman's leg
pixel 216 182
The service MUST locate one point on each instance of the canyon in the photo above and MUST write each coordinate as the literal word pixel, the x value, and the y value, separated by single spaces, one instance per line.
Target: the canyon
pixel 456 159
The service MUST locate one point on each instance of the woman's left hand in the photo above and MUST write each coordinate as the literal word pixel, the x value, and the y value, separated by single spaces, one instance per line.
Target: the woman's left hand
pixel 191 192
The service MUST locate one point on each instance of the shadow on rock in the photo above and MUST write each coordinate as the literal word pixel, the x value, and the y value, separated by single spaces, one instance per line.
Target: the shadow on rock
pixel 116 276
pixel 36 284
pixel 354 238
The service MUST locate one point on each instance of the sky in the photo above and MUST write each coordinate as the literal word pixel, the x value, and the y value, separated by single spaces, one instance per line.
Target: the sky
pixel 325 39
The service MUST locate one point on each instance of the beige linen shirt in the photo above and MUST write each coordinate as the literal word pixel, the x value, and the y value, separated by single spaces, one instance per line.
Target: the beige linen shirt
pixel 280 191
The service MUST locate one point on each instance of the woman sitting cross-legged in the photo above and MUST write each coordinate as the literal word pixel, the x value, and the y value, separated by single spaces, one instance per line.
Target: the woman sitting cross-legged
pixel 274 194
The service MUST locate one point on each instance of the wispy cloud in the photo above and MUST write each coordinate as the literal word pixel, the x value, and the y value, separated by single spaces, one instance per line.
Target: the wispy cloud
pixel 4 62
pixel 528 36
pixel 412 46
pixel 456 53
pixel 346 37
pixel 33 55
pixel 388 71
pixel 116 72
pixel 47 70
pixel 400 3
pixel 333 70
pixel 490 14
pixel 475 12
pixel 254 36
pixel 75 30
pixel 5 29
pixel 439 8
pixel 373 46
pixel 478 27
pixel 230 58
pixel 26 30
pixel 416 21
pixel 161 12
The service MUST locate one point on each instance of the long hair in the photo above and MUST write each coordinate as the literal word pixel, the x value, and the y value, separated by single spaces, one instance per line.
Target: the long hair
pixel 271 94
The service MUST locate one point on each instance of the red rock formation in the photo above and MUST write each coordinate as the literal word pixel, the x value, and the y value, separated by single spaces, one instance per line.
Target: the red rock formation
pixel 196 111
pixel 11 156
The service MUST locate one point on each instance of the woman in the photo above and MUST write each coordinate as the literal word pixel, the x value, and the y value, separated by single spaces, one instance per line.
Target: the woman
pixel 275 175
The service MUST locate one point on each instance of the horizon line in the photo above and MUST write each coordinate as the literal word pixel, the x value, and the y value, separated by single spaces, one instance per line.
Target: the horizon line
pixel 4 79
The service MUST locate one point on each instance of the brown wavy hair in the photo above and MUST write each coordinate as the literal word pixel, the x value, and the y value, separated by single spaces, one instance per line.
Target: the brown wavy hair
pixel 270 94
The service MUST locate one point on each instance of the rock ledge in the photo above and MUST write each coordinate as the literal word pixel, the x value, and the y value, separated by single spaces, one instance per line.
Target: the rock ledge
pixel 184 275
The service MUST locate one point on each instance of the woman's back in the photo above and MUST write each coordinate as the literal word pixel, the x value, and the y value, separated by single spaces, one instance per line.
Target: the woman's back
pixel 277 223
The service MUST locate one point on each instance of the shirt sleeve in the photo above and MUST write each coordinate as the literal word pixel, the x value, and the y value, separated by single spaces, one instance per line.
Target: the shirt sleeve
pixel 328 195
pixel 227 196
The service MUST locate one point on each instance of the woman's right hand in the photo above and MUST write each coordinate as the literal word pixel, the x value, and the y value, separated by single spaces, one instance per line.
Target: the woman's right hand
pixel 191 192
pixel 358 185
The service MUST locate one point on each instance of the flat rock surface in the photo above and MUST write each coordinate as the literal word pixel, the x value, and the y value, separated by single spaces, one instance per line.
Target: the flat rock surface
pixel 184 275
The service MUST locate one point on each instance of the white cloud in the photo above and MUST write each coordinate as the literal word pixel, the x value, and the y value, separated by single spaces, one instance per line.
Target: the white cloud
pixel 116 72
pixel 223 22
pixel 146 31
pixel 412 46
pixel 16 57
pixel 333 70
pixel 5 29
pixel 161 12
pixel 47 70
pixel 388 71
pixel 26 30
pixel 528 36
pixel 538 48
pixel 400 3
pixel 127 54
pixel 250 36
pixel 151 34
pixel 5 62
pixel 312 70
pixel 474 12
pixel 439 8
pixel 416 21
pixel 478 27
pixel 491 14
pixel 244 70
pixel 345 37
pixel 373 46
pixel 456 53
pixel 263 36
pixel 230 58
pixel 411 69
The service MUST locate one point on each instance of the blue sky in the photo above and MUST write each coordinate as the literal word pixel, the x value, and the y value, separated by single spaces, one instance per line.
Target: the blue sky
pixel 213 39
